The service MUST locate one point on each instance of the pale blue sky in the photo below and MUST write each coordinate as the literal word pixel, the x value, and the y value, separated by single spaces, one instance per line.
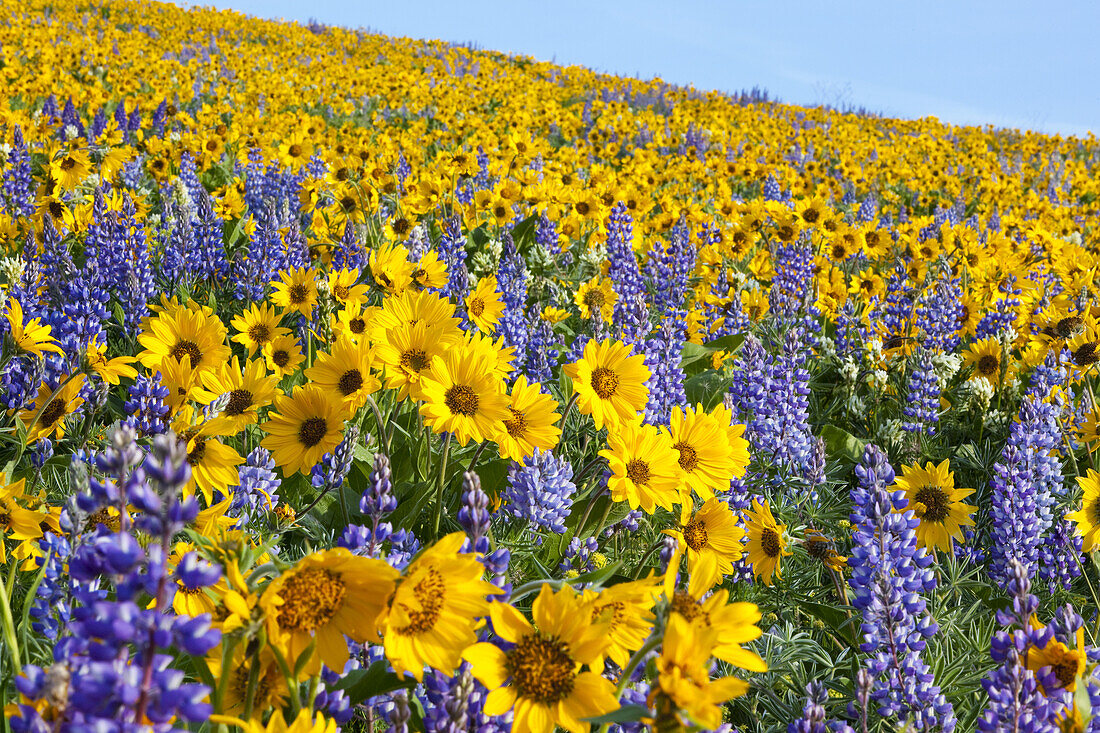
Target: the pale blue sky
pixel 1020 64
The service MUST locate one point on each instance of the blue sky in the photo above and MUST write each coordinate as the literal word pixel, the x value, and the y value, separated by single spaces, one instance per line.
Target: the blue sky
pixel 1013 64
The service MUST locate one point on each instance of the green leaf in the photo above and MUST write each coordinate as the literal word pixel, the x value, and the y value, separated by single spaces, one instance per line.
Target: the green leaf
pixel 695 358
pixel 625 714
pixel 706 388
pixel 493 474
pixel 839 443
pixel 727 343
pixel 361 684
pixel 523 234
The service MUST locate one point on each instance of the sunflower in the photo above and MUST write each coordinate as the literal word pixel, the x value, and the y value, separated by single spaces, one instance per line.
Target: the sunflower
pixel 496 352
pixel 765 546
pixel 484 305
pixel 820 548
pixel 462 395
pixel 17 522
pixel 304 723
pixel 390 267
pixel 213 465
pixel 109 370
pixel 706 457
pixel 305 426
pixel 644 469
pixel 283 354
pixel 271 689
pixel 539 678
pixel 712 530
pixel 296 291
pixel 1084 349
pixel 184 333
pixel 867 284
pixel 1057 666
pixel 405 353
pixel 345 286
pixel 180 380
pixel 553 315
pixel 596 298
pixel 353 321
pixel 45 418
pixel 432 615
pixel 430 271
pixel 70 168
pixel 937 503
pixel 1088 516
pixel 735 623
pixel 684 682
pixel 988 361
pixel 249 389
pixel 346 373
pixel 326 596
pixel 32 337
pixel 628 610
pixel 412 307
pixel 610 382
pixel 533 423
pixel 257 327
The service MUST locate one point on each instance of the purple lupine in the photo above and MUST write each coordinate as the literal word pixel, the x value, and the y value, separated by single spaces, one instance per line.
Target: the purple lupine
pixel 922 407
pixel 452 252
pixel 512 280
pixel 791 292
pixel 938 314
pixel 1017 703
pixel 211 262
pixel 540 490
pixel 813 714
pixel 1003 315
pixel 146 409
pixel 663 351
pixel 1025 482
pixel 17 183
pixel 543 350
pixel 115 653
pixel 456 703
pixel 257 490
pixel 890 576
pixel 630 319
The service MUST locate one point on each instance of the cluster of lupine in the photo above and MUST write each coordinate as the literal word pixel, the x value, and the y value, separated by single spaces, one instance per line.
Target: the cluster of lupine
pixel 356 382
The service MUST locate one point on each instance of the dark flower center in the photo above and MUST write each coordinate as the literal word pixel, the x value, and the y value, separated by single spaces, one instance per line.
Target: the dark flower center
pixel 769 541
pixel 414 359
pixel 259 333
pixel 695 534
pixel 312 431
pixel 988 365
pixel 311 597
pixel 298 294
pixel 461 400
pixel 184 348
pixel 541 668
pixel 53 412
pixel 239 401
pixel 517 426
pixel 350 382
pixel 935 502
pixel 689 457
pixel 430 593
pixel 637 471
pixel 604 382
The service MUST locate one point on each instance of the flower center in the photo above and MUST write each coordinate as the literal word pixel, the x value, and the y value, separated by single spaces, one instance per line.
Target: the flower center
pixel 541 668
pixel 196 454
pixel 414 359
pixel 695 534
pixel 688 607
pixel 311 597
pixel 259 333
pixel 689 457
pixel 594 299
pixel 429 592
pixel 637 471
pixel 312 431
pixel 53 412
pixel 350 382
pixel 184 348
pixel 281 358
pixel 298 294
pixel 604 383
pixel 341 292
pixel 988 365
pixel 769 541
pixel 1064 665
pixel 477 306
pixel 461 400
pixel 517 426
pixel 357 325
pixel 239 401
pixel 1086 354
pixel 294 150
pixel 935 503
pixel 1069 327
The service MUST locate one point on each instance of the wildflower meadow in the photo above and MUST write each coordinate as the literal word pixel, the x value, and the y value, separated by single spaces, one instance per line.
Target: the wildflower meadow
pixel 356 382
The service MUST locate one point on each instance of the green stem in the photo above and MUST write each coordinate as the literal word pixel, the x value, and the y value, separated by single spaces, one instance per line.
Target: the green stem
pixel 8 624
pixel 442 480
pixel 650 644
